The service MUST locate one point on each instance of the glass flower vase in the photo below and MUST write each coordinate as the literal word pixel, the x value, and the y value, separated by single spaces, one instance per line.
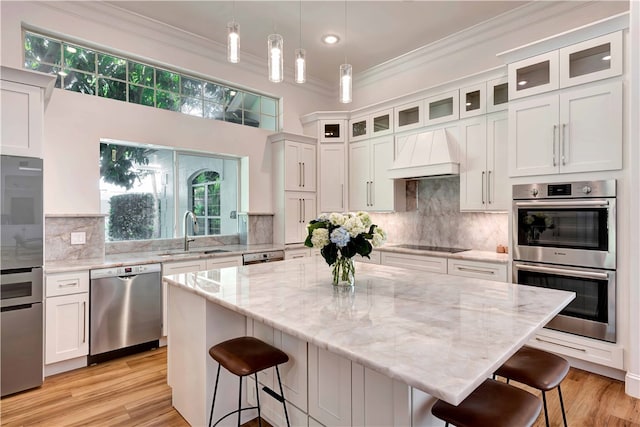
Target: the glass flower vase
pixel 343 272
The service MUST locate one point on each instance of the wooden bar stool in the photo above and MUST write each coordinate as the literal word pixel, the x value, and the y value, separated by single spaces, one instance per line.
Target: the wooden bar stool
pixel 246 356
pixel 538 369
pixel 494 404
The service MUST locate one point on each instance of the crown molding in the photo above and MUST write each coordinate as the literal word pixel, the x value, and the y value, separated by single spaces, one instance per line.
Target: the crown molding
pixel 494 28
pixel 141 26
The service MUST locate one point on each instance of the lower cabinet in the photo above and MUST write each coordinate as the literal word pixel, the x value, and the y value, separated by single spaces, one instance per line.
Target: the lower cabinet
pixel 329 387
pixel 66 316
pixel 418 262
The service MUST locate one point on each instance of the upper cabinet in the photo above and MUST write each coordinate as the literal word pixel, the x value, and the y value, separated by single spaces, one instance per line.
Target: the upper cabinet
pixel 575 130
pixel 408 116
pixel 594 59
pixel 22 100
pixel 473 100
pixel 441 108
pixel 497 95
pixel 300 166
pixel 332 131
pixel 371 125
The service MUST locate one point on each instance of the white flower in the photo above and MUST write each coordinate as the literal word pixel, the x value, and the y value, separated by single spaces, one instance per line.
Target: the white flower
pixel 365 218
pixel 323 217
pixel 379 237
pixel 320 237
pixel 354 226
pixel 337 218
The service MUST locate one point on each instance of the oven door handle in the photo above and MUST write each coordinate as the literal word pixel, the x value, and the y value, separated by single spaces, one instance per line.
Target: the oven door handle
pixel 564 204
pixel 563 271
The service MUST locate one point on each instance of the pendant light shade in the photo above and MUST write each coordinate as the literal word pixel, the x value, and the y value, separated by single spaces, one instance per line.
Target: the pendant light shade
pixel 275 46
pixel 300 66
pixel 233 42
pixel 345 83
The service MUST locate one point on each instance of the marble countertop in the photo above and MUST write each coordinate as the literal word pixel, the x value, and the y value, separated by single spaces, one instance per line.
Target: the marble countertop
pixel 119 260
pixel 439 333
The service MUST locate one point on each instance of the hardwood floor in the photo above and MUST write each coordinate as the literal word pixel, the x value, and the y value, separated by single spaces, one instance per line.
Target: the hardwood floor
pixel 133 391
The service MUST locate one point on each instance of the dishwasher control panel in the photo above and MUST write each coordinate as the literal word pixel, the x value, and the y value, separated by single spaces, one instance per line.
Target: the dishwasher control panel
pixel 127 270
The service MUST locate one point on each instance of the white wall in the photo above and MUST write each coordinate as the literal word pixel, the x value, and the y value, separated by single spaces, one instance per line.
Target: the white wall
pixel 75 123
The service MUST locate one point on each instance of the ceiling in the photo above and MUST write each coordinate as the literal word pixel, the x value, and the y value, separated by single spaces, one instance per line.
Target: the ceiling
pixel 375 31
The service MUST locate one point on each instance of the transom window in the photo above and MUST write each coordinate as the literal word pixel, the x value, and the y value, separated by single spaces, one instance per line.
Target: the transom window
pixel 92 72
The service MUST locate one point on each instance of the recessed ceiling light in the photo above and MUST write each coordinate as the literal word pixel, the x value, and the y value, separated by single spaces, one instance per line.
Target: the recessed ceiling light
pixel 330 39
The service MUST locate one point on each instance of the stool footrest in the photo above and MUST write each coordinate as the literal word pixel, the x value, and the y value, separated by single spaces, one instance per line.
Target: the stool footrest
pixel 273 394
pixel 234 412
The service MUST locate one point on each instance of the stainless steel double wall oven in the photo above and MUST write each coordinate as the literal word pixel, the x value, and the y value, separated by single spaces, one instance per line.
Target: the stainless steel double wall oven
pixel 564 237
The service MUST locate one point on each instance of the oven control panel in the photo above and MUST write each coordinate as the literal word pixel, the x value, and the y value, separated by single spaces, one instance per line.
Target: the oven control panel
pixel 565 190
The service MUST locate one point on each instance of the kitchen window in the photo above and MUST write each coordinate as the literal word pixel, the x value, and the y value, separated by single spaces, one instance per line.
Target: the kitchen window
pixel 92 72
pixel 144 191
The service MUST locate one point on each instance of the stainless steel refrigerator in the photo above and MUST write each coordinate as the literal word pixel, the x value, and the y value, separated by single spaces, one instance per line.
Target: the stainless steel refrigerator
pixel 21 278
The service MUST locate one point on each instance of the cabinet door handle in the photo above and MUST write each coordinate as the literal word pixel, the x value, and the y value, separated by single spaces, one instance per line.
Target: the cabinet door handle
pixel 303 177
pixel 367 193
pixel 342 196
pixel 299 174
pixel 554 144
pixel 68 285
pixel 482 186
pixel 476 270
pixel 304 211
pixel 373 193
pixel 489 186
pixel 562 142
pixel 84 322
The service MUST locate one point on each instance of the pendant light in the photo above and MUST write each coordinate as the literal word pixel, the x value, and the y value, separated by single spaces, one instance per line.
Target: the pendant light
pixel 275 46
pixel 346 72
pixel 233 39
pixel 300 65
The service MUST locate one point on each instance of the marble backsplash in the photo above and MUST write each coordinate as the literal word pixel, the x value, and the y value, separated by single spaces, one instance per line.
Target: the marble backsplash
pixel 433 218
pixel 58 229
pixel 255 229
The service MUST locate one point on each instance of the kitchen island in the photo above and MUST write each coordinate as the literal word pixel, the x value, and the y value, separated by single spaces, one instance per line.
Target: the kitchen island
pixel 401 339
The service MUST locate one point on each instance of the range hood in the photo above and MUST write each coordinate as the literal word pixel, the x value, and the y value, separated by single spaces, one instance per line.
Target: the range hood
pixel 426 154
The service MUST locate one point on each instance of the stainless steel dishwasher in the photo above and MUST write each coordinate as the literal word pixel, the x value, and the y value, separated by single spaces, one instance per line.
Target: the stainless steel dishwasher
pixel 125 312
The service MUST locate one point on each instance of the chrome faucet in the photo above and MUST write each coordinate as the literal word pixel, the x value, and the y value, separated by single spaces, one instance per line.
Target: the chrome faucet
pixel 195 228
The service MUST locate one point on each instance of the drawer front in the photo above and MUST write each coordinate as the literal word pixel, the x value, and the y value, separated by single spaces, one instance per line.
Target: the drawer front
pixel 73 282
pixel 478 270
pixel 183 267
pixel 426 263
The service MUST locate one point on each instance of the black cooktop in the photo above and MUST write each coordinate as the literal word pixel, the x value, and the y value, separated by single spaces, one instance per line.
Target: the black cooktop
pixel 433 248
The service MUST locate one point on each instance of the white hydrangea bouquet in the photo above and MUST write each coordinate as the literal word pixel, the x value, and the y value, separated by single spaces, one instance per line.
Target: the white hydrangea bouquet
pixel 341 236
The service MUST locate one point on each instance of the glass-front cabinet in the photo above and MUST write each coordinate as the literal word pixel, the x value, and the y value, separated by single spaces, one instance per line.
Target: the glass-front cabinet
pixel 594 59
pixel 497 95
pixel 382 123
pixel 442 108
pixel 331 131
pixel 408 116
pixel 473 100
pixel 371 125
pixel 359 128
pixel 534 75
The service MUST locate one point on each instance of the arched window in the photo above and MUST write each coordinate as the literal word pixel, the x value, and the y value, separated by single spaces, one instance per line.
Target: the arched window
pixel 205 202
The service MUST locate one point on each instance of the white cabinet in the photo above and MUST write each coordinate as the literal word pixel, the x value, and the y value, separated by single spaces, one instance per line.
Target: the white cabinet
pixel 300 166
pixel 66 316
pixel 441 108
pixel 297 253
pixel 379 400
pixel 594 59
pixel 371 125
pixel 300 208
pixel 329 387
pixel 331 130
pixel 370 187
pixel 222 262
pixel 483 163
pixel 293 167
pixel 332 192
pixel 408 116
pixel 575 130
pixel 473 100
pixel 22 99
pixel 497 95
pixel 417 262
pixel 477 269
